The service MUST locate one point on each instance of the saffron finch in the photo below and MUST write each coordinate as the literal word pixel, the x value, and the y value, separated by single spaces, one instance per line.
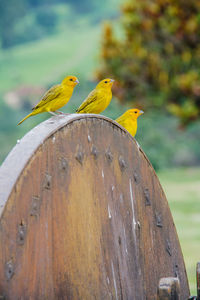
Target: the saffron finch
pixel 56 97
pixel 129 120
pixel 98 99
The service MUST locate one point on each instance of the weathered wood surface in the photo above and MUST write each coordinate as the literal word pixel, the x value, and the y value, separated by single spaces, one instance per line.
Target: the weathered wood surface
pixel 83 216
pixel 169 289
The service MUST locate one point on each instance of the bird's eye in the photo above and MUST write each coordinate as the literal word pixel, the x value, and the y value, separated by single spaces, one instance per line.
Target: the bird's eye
pixel 135 112
pixel 71 79
pixel 106 81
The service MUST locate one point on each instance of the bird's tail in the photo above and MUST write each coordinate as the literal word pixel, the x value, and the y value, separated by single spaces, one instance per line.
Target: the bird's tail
pixel 31 114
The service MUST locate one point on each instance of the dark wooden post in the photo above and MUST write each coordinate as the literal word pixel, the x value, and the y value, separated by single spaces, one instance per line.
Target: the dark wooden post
pixel 169 289
pixel 83 216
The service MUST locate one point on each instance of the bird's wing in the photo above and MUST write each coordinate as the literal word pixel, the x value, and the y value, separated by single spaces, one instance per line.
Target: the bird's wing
pixel 121 119
pixel 92 97
pixel 50 95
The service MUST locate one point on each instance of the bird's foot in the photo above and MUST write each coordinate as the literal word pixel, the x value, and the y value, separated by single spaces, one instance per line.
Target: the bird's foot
pixel 59 112
pixel 52 113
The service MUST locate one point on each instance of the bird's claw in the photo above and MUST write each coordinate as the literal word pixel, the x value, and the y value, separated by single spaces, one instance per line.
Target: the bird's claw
pixel 60 112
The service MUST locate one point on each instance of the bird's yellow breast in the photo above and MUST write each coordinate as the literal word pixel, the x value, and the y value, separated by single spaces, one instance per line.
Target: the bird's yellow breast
pixel 132 127
pixel 129 124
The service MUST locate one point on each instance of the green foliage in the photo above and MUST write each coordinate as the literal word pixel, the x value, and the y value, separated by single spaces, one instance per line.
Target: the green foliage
pixel 10 12
pixel 156 60
pixel 28 20
pixel 38 23
pixel 47 18
pixel 165 144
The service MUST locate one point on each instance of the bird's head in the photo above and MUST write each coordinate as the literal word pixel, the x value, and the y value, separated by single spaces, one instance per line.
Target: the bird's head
pixel 70 81
pixel 134 113
pixel 105 83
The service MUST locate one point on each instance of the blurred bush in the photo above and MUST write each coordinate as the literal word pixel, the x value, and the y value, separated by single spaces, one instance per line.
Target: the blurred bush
pixel 165 144
pixel 156 58
pixel 28 20
pixel 40 22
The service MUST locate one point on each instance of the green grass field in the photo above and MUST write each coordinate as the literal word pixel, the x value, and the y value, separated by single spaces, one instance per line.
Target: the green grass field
pixel 182 188
pixel 45 61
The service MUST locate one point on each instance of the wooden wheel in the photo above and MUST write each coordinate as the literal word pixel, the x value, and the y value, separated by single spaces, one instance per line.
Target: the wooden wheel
pixel 83 216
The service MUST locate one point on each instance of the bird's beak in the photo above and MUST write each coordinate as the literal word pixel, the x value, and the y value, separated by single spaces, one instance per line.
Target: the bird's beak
pixel 76 81
pixel 111 80
pixel 141 112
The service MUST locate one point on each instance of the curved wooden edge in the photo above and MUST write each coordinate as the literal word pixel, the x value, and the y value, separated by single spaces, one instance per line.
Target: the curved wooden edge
pixel 20 155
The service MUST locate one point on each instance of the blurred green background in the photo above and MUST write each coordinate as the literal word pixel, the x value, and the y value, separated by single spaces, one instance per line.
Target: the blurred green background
pixel 152 50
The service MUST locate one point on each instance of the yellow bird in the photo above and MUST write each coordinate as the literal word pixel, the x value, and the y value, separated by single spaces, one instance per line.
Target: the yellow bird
pixel 98 99
pixel 56 97
pixel 129 120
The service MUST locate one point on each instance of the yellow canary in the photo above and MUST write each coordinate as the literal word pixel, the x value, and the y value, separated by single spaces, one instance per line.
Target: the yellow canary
pixel 56 97
pixel 98 99
pixel 129 120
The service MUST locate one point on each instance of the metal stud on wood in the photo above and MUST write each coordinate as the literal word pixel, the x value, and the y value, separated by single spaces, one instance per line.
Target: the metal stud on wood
pixel 47 182
pixel 109 156
pixel 9 270
pixel 35 206
pixel 147 197
pixel 122 163
pixel 21 233
pixel 94 152
pixel 79 156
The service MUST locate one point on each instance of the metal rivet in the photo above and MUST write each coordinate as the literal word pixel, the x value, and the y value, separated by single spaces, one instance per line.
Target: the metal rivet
pixel 122 163
pixel 79 156
pixel 136 177
pixel 89 138
pixel 9 270
pixel 47 182
pixel 147 197
pixel 35 206
pixel 109 156
pixel 138 224
pixel 158 220
pixel 63 164
pixel 168 248
pixel 176 271
pixel 94 152
pixel 21 234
